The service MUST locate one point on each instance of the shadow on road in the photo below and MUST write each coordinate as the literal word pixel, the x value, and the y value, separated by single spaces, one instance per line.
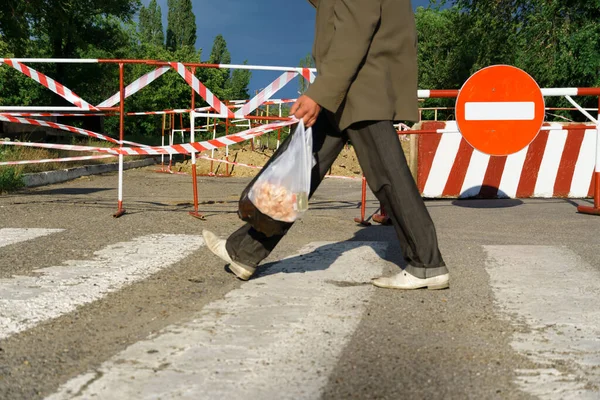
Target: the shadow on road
pixel 324 256
pixel 488 203
pixel 68 191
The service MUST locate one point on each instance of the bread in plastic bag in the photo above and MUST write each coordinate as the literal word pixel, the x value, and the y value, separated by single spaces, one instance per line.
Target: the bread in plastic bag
pixel 278 196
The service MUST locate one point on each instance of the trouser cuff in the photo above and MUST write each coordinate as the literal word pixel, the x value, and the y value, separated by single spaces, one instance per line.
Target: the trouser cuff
pixel 239 258
pixel 424 273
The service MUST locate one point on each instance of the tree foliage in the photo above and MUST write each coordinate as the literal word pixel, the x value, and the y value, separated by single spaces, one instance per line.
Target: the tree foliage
pixel 555 41
pixel 181 24
pixel 150 25
pixel 107 29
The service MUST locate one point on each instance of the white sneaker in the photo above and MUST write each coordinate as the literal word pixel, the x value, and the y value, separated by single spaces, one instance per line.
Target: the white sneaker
pixel 217 246
pixel 406 281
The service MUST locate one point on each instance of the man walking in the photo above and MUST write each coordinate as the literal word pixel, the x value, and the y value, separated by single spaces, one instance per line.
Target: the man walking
pixel 366 57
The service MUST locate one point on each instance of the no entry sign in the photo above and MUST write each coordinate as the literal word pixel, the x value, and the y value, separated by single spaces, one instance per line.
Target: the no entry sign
pixel 500 110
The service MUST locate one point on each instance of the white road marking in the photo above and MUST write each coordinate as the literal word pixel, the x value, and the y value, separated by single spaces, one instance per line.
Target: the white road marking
pixel 26 301
pixel 10 236
pixel 553 294
pixel 278 336
pixel 500 111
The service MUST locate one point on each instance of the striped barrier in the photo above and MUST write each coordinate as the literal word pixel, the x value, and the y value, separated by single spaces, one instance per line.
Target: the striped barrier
pixel 135 87
pixel 265 94
pixel 202 90
pixel 68 128
pixel 186 148
pixel 52 160
pixel 51 84
pixel 558 163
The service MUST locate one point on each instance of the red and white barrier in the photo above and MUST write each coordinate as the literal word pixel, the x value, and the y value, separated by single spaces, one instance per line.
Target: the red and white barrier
pixel 558 163
pixel 54 125
pixel 51 84
pixel 135 87
pixel 202 90
pixel 51 160
pixel 21 114
pixel 186 148
pixel 266 94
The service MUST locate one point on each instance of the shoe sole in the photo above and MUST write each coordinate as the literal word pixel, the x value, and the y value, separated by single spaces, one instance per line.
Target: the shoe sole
pixel 241 272
pixel 439 286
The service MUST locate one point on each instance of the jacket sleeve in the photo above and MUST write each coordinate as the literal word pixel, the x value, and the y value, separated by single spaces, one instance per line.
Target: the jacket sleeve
pixel 313 2
pixel 355 22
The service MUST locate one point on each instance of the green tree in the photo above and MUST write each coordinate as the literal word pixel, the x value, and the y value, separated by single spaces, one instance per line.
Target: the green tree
pixel 16 88
pixel 70 26
pixel 181 24
pixel 150 25
pixel 556 41
pixel 14 28
pixel 64 29
pixel 226 85
pixel 237 85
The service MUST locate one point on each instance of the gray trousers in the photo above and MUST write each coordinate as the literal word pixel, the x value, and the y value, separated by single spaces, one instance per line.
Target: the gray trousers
pixel 383 162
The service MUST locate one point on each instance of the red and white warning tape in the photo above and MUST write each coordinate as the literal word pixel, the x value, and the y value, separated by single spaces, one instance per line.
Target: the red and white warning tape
pixel 308 74
pixel 50 160
pixel 71 147
pixel 51 84
pixel 266 94
pixel 135 87
pixel 16 114
pixel 50 124
pixel 202 90
pixel 186 148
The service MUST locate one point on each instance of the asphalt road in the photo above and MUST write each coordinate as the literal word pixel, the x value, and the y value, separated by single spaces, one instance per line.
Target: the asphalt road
pixel 86 300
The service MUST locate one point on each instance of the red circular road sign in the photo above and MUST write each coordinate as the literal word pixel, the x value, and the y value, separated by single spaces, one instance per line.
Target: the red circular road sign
pixel 500 110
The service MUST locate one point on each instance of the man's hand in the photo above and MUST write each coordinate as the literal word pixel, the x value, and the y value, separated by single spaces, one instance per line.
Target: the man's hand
pixel 306 109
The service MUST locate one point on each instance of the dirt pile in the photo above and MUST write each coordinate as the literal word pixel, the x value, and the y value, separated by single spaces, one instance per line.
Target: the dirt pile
pixel 345 165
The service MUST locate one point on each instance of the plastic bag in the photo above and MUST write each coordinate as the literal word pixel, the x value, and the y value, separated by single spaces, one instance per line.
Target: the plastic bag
pixel 278 196
pixel 281 191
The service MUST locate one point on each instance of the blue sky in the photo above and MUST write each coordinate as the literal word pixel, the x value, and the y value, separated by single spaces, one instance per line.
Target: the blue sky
pixel 264 32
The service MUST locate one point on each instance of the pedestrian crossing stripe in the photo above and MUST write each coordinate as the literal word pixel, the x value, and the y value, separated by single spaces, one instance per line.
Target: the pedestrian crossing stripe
pixel 25 301
pixel 10 236
pixel 555 293
pixel 278 336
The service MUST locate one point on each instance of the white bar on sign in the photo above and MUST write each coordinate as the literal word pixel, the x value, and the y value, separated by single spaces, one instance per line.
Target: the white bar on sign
pixel 500 111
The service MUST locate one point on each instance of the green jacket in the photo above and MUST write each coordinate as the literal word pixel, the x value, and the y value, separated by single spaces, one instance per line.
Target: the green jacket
pixel 366 57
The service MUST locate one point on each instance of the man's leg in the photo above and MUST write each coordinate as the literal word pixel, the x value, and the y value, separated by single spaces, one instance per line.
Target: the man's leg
pixel 249 246
pixel 383 162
